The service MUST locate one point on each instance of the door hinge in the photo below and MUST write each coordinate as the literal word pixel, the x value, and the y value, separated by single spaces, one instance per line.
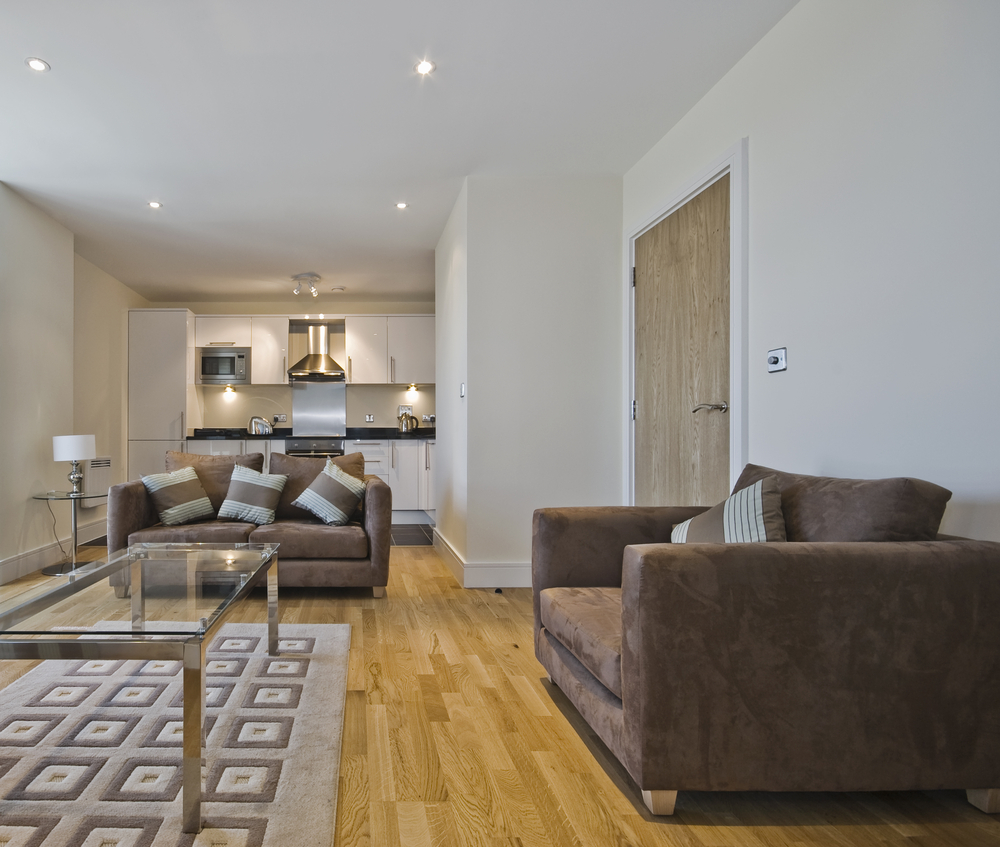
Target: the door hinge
pixel 633 409
pixel 633 276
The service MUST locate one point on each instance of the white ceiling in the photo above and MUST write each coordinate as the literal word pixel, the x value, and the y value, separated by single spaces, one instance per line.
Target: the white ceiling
pixel 280 135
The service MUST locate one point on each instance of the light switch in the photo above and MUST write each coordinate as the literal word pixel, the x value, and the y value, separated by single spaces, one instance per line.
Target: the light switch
pixel 461 390
pixel 776 360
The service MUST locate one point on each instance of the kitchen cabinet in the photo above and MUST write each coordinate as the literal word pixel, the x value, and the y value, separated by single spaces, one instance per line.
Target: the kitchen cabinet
pixel 162 404
pixel 376 455
pixel 269 353
pixel 365 338
pixel 149 457
pixel 217 446
pixel 222 331
pixel 426 498
pixel 411 349
pixel 404 459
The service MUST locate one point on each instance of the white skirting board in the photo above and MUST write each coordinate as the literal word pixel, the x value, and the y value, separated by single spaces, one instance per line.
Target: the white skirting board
pixel 482 574
pixel 32 561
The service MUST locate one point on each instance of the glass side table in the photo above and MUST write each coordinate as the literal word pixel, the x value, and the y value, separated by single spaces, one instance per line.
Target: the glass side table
pixel 70 566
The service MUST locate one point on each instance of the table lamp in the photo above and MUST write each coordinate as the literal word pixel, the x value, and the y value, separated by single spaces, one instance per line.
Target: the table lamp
pixel 74 449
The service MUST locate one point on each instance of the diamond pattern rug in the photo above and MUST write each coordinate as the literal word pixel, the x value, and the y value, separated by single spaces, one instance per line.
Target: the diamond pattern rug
pixel 90 751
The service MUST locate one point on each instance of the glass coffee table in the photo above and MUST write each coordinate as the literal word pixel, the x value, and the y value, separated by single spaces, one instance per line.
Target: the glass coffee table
pixel 178 596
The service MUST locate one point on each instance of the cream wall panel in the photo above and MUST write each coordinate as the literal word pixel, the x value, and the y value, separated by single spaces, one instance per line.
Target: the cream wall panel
pixel 872 214
pixel 36 377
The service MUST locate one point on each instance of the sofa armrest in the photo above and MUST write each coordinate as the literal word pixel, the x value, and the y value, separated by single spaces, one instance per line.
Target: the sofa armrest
pixel 583 545
pixel 378 527
pixel 762 664
pixel 130 508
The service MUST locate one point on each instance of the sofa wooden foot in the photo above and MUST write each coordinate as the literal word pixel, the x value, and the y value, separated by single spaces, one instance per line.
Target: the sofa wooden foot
pixel 378 591
pixel 985 799
pixel 660 802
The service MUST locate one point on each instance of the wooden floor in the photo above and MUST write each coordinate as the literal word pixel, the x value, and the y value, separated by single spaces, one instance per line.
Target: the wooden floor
pixel 453 737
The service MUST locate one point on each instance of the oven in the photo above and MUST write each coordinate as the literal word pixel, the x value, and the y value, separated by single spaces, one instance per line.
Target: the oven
pixel 314 448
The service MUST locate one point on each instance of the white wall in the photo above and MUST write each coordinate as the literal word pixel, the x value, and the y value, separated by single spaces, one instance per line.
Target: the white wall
pixel 100 384
pixel 873 217
pixel 452 364
pixel 542 329
pixel 36 379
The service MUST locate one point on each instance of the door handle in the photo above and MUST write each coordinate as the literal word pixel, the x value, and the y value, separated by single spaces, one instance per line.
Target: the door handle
pixel 392 369
pixel 720 407
pixel 350 372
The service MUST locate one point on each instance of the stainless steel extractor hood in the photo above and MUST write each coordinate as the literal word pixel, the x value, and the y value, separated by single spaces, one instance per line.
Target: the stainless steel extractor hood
pixel 317 365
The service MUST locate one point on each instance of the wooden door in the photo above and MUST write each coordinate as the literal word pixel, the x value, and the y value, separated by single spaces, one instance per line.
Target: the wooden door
pixel 682 354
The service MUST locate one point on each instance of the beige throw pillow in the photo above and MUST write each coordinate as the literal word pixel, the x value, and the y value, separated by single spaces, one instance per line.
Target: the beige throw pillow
pixel 751 514
pixel 179 497
pixel 252 496
pixel 333 495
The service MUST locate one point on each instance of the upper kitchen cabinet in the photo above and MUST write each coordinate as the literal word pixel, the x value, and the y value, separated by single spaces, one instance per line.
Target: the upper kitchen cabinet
pixel 367 349
pixel 232 331
pixel 411 349
pixel 269 354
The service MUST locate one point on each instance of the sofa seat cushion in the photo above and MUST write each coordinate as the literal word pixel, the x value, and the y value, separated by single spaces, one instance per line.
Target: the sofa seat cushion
pixel 588 623
pixel 820 508
pixel 313 540
pixel 208 532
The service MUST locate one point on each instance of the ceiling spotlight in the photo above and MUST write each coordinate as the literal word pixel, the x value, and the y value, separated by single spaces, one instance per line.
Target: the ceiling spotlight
pixel 37 64
pixel 401 205
pixel 155 204
pixel 309 280
pixel 338 289
pixel 425 67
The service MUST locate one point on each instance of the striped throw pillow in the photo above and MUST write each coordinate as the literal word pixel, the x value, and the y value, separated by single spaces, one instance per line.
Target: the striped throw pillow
pixel 179 497
pixel 751 514
pixel 252 496
pixel 332 496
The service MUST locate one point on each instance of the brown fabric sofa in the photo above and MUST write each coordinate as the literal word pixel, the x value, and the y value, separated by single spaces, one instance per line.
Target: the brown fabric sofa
pixel 311 553
pixel 807 665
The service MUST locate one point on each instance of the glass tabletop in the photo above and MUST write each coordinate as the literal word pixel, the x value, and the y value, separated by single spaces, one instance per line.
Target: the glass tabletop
pixel 167 590
pixel 67 495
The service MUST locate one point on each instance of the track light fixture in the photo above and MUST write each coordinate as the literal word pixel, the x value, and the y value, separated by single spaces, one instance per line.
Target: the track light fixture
pixel 309 280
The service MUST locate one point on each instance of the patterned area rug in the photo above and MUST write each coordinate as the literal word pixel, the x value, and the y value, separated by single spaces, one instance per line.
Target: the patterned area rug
pixel 90 751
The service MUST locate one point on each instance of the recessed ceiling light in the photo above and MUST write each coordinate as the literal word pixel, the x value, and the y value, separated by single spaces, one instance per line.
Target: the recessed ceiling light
pixel 339 289
pixel 425 67
pixel 155 204
pixel 37 64
pixel 400 205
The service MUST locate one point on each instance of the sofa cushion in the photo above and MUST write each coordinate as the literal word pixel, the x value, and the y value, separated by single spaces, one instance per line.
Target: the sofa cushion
pixel 208 532
pixel 214 471
pixel 312 540
pixel 819 508
pixel 333 496
pixel 588 623
pixel 178 497
pixel 300 472
pixel 252 496
pixel 751 514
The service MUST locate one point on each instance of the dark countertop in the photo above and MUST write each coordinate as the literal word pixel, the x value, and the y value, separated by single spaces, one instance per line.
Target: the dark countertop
pixel 354 433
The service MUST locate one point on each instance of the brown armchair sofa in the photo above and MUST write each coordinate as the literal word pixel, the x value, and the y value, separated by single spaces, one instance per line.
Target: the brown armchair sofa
pixel 311 553
pixel 806 665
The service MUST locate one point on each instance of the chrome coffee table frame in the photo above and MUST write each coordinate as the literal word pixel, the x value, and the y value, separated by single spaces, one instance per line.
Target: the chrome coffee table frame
pixel 183 645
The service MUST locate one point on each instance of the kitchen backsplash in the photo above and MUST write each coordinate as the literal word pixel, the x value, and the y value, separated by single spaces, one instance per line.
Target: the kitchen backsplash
pixel 270 400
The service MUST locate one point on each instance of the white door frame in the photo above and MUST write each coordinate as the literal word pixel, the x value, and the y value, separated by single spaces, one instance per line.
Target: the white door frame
pixel 734 163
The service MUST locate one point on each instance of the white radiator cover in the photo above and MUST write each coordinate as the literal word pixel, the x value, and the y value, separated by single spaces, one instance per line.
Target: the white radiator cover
pixel 96 480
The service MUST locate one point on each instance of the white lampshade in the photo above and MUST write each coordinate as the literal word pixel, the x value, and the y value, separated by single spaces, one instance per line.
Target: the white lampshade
pixel 67 448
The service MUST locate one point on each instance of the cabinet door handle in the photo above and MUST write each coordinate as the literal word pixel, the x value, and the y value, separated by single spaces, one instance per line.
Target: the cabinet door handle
pixel 221 343
pixel 367 443
pixel 350 370
pixel 392 455
pixel 392 368
pixel 427 456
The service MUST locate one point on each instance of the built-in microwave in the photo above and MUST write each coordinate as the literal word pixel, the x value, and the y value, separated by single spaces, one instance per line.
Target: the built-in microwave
pixel 222 366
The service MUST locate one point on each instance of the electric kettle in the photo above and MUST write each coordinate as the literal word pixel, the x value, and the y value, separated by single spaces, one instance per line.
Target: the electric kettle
pixel 259 426
pixel 407 422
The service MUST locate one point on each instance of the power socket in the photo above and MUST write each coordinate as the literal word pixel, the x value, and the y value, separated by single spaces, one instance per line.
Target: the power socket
pixel 281 418
pixel 369 418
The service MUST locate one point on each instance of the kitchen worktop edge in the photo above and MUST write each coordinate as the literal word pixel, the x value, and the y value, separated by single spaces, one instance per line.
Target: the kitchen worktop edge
pixel 354 433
